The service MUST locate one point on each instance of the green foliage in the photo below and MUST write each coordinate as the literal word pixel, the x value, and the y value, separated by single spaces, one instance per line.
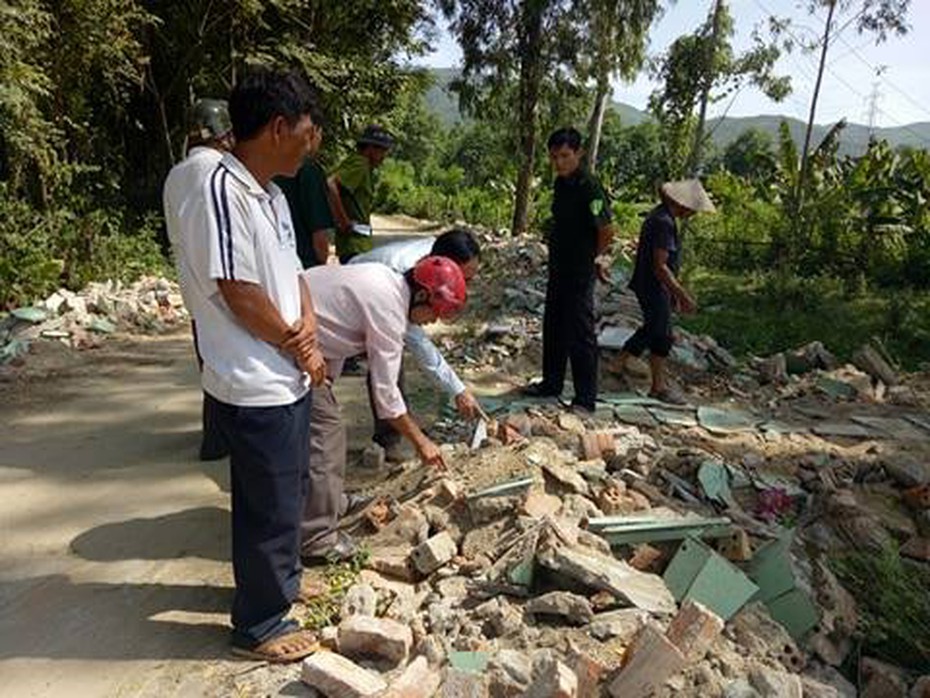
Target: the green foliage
pixel 751 155
pixel 704 63
pixel 763 313
pixel 324 610
pixel 94 100
pixel 42 250
pixel 894 606
pixel 632 161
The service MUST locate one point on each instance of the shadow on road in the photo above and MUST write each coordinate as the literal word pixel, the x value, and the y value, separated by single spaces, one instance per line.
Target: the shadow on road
pixel 202 532
pixel 52 617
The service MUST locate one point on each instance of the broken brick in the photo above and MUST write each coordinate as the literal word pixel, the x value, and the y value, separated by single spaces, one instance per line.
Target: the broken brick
pixel 918 497
pixel 432 554
pixel 645 557
pixel 539 504
pixel 508 435
pixel 917 548
pixel 693 630
pixel 334 675
pixel 651 660
pixel 378 515
pixel 737 547
pixel 375 637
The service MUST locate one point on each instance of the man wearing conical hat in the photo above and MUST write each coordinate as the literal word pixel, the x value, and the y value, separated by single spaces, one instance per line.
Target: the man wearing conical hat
pixel 656 284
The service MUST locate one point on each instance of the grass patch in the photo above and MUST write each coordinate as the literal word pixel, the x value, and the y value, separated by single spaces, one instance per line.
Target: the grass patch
pixel 764 313
pixel 323 610
pixel 894 606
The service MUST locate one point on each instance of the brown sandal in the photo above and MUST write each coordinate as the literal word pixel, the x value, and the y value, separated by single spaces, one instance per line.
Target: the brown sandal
pixel 289 647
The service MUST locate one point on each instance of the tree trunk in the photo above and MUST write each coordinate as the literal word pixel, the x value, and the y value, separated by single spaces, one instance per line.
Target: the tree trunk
pixel 694 160
pixel 805 153
pixel 596 124
pixel 530 48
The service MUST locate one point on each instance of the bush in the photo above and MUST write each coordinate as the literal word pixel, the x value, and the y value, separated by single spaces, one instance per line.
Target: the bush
pixel 894 606
pixel 43 250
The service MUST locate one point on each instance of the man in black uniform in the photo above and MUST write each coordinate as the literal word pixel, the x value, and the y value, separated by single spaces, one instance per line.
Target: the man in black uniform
pixel 655 281
pixel 581 232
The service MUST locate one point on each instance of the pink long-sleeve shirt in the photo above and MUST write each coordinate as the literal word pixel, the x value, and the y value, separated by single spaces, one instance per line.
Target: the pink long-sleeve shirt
pixel 363 308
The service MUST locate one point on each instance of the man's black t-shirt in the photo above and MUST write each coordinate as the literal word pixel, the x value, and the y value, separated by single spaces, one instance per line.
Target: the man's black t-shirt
pixel 659 232
pixel 580 207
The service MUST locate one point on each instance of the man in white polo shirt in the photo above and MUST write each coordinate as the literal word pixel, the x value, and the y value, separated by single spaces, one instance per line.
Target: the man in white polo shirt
pixel 256 332
pixel 210 136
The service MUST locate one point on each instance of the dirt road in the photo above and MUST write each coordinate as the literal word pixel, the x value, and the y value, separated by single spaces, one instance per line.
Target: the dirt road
pixel 114 572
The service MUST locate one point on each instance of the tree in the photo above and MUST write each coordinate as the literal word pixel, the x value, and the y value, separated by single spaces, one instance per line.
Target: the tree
pixel 619 32
pixel 631 158
pixel 700 69
pixel 751 155
pixel 878 17
pixel 528 42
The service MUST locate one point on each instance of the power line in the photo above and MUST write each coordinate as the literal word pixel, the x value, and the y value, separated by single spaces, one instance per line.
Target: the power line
pixel 838 36
pixel 877 70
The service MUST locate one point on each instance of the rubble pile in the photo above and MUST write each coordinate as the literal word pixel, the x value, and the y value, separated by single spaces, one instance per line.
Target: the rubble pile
pixel 594 556
pixel 79 320
pixel 507 301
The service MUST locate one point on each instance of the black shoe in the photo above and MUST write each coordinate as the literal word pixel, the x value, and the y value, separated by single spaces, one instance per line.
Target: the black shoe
pixel 343 550
pixel 355 502
pixel 539 390
pixel 582 410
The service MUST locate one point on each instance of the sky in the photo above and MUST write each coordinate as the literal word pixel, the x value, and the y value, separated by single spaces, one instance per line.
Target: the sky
pixel 903 88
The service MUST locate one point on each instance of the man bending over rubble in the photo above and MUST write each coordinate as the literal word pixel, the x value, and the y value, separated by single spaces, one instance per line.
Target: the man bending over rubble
pixel 461 247
pixel 655 281
pixel 366 308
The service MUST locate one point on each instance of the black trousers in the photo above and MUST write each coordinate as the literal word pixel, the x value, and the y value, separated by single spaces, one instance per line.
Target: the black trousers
pixel 385 435
pixel 656 331
pixel 569 334
pixel 212 446
pixel 269 452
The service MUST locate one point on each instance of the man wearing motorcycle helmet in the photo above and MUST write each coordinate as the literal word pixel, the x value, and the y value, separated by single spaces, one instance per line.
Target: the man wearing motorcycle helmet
pixel 366 308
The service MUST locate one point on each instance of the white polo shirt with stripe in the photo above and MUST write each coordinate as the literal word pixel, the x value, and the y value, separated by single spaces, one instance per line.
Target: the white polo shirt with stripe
pixel 247 233
pixel 185 210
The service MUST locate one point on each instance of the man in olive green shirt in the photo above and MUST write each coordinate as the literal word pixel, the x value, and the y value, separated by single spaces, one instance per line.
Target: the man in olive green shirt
pixel 352 191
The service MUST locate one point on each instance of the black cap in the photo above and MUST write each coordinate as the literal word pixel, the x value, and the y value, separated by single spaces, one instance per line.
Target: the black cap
pixel 376 135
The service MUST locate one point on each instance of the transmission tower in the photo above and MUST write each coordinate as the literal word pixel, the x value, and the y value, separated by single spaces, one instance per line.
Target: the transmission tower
pixel 874 98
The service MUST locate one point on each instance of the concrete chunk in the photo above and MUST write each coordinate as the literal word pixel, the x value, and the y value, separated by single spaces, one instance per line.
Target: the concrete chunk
pixel 417 681
pixel 375 637
pixel 598 571
pixel 574 608
pixel 337 677
pixel 775 684
pixel 459 684
pixel 434 553
pixel 552 679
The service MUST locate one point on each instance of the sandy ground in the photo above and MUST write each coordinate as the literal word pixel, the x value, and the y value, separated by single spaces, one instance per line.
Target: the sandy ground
pixel 114 558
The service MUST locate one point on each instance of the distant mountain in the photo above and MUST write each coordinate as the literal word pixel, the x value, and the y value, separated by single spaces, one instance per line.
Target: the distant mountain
pixel 444 103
